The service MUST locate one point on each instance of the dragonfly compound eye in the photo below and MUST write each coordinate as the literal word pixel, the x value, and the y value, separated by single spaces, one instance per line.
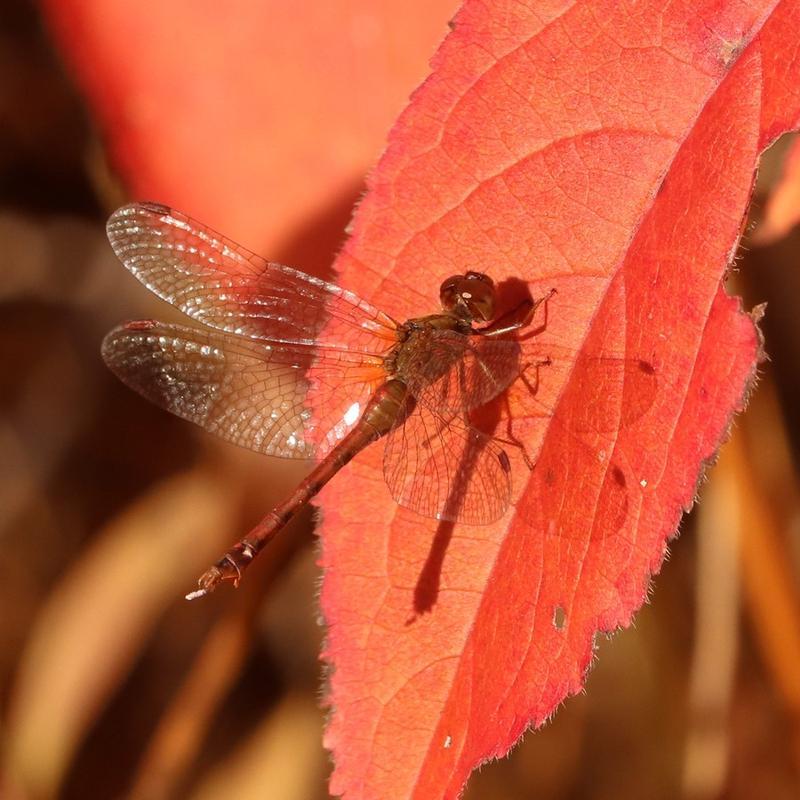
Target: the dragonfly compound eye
pixel 448 292
pixel 470 296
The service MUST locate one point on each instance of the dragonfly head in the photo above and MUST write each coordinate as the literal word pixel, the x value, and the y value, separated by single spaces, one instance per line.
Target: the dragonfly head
pixel 469 296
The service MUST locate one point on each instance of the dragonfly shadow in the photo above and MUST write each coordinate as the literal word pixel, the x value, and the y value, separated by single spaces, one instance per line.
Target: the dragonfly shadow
pixel 510 296
pixel 426 591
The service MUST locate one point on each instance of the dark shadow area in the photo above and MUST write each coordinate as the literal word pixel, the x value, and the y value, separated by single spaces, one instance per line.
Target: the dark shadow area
pixel 772 277
pixel 426 592
pixel 314 247
pixel 509 294
pixel 44 130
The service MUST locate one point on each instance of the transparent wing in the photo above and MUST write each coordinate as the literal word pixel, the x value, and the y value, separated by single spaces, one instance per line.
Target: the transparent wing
pixel 446 469
pixel 248 392
pixel 223 285
pixel 450 372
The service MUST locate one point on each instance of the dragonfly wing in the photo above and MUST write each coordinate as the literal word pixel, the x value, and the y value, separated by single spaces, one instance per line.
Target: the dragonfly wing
pixel 223 285
pixel 444 468
pixel 248 392
pixel 451 373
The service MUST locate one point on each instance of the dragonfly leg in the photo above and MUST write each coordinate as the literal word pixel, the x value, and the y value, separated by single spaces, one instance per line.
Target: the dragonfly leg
pixel 543 326
pixel 512 440
pixel 518 317
pixel 532 387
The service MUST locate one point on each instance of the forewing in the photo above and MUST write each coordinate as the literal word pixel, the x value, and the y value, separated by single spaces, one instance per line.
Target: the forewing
pixel 248 392
pixel 225 286
pixel 452 373
pixel 444 468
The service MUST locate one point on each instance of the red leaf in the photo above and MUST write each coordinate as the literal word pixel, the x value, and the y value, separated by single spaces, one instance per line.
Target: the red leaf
pixel 782 212
pixel 252 115
pixel 607 150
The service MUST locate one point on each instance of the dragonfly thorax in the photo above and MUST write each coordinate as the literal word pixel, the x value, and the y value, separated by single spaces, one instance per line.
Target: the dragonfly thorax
pixel 469 296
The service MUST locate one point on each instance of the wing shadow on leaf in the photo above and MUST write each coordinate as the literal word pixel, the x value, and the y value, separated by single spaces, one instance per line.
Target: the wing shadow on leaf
pixel 604 395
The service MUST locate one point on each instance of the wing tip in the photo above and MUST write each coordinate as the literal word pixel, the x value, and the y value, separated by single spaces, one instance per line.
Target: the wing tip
pixel 110 340
pixel 120 220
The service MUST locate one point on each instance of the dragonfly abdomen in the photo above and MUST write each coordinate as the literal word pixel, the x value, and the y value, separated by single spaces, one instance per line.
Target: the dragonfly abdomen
pixel 389 405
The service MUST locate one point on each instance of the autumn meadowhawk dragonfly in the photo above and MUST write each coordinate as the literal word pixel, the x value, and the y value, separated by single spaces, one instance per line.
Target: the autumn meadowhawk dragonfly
pixel 293 366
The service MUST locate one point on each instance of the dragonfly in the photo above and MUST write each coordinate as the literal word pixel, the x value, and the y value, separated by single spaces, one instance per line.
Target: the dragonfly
pixel 290 365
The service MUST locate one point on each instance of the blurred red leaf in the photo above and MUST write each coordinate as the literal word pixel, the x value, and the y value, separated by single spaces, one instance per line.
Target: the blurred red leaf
pixel 607 150
pixel 252 115
pixel 782 212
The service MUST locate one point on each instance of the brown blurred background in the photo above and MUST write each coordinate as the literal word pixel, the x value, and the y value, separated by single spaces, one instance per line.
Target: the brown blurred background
pixel 112 686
